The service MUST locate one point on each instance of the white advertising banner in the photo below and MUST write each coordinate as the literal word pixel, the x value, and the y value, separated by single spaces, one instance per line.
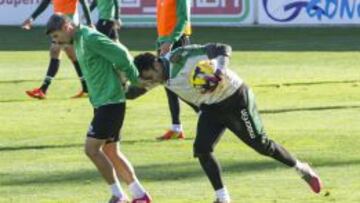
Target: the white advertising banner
pixel 313 12
pixel 143 12
pixel 14 12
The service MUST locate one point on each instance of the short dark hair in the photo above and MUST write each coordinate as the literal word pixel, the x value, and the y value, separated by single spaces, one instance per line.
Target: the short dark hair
pixel 144 61
pixel 56 22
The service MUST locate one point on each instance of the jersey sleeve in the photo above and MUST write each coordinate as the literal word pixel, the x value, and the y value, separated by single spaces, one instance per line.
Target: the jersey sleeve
pixel 221 53
pixel 214 50
pixel 182 53
pixel 116 53
pixel 41 8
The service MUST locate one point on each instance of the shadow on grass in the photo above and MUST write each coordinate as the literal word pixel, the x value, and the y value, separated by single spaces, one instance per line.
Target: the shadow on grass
pixel 39 147
pixel 31 80
pixel 45 147
pixel 28 99
pixel 318 108
pixel 153 172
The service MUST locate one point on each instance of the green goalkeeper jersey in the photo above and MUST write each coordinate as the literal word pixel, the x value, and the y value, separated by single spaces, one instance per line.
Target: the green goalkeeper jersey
pixel 101 60
pixel 182 64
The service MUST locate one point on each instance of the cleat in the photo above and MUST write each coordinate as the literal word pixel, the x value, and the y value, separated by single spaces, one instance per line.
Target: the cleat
pixel 172 135
pixel 81 94
pixel 36 93
pixel 115 199
pixel 311 178
pixel 145 199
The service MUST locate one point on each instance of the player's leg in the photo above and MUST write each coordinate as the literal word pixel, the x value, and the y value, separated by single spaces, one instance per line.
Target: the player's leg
pixel 122 166
pixel 246 123
pixel 103 126
pixel 53 68
pixel 125 171
pixel 176 131
pixel 209 131
pixel 70 52
pixel 93 151
pixel 193 106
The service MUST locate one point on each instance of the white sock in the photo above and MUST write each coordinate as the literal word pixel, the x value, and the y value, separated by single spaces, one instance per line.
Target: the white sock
pixel 299 165
pixel 117 191
pixel 136 189
pixel 223 195
pixel 176 127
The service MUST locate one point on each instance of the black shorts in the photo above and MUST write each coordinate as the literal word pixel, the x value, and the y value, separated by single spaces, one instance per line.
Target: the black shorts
pixel 107 28
pixel 239 114
pixel 107 122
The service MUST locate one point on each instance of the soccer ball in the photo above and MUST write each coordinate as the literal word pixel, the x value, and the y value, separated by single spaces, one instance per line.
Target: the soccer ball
pixel 202 77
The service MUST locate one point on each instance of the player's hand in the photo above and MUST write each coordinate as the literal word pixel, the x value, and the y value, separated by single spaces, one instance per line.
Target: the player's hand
pixel 165 48
pixel 146 84
pixel 27 24
pixel 212 82
pixel 213 79
pixel 117 24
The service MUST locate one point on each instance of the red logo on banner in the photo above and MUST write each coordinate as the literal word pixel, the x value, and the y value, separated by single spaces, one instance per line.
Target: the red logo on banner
pixel 198 7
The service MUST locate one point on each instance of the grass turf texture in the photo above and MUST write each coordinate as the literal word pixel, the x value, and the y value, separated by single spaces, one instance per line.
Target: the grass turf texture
pixel 307 85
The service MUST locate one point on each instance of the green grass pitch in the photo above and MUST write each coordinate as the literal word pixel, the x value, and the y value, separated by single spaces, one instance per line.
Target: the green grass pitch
pixel 307 83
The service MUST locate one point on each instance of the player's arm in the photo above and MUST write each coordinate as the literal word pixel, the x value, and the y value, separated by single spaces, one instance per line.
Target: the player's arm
pixel 41 8
pixel 93 5
pixel 86 11
pixel 116 53
pixel 221 53
pixel 182 53
pixel 182 16
pixel 134 92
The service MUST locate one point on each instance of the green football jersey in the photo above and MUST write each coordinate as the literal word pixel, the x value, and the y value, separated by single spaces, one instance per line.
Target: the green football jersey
pixel 101 59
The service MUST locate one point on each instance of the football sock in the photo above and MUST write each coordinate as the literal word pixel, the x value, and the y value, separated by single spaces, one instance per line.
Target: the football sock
pixel 79 73
pixel 51 72
pixel 117 191
pixel 282 155
pixel 174 106
pixel 176 127
pixel 136 189
pixel 222 195
pixel 299 167
pixel 212 170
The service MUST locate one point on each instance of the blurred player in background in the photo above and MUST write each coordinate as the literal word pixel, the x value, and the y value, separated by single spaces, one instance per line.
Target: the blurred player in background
pixel 69 8
pixel 200 75
pixel 109 21
pixel 174 30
